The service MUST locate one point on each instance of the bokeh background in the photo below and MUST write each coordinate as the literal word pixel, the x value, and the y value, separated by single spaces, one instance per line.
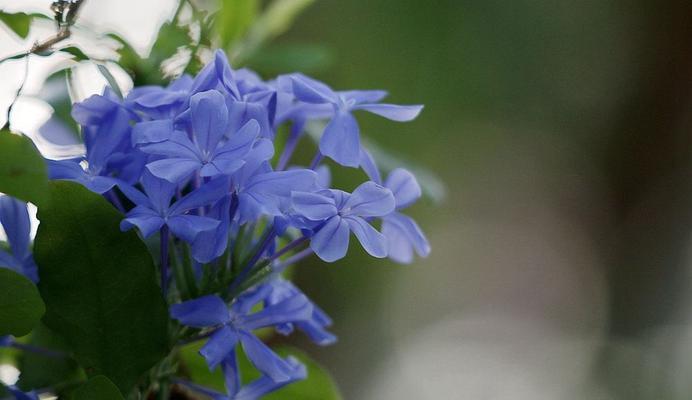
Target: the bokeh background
pixel 561 240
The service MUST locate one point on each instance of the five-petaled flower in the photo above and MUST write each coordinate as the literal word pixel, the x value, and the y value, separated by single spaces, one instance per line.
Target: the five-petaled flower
pixel 338 213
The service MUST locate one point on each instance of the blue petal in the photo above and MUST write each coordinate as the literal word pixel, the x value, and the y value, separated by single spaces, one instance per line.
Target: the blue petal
pixel 187 227
pixel 368 164
pixel 231 373
pixel 207 194
pixel 372 241
pixel 264 359
pixel 266 192
pixel 264 385
pixel 370 200
pixel 324 176
pixel 293 309
pixel 174 170
pixel 15 220
pixel 404 186
pixel 219 346
pixel 392 111
pixel 363 96
pixel 330 243
pixel 403 236
pixel 201 312
pixel 225 73
pixel 92 110
pixel 65 169
pixel 241 112
pixel 146 219
pixel 159 191
pixel 230 157
pixel 313 206
pixel 210 245
pixel 311 91
pixel 135 195
pixel 152 132
pixel 111 136
pixel 209 117
pixel 341 140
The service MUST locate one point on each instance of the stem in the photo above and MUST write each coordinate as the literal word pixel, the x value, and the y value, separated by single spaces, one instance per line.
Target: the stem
pixel 299 256
pixel 266 241
pixel 290 146
pixel 192 339
pixel 164 259
pixel 316 161
pixel 288 248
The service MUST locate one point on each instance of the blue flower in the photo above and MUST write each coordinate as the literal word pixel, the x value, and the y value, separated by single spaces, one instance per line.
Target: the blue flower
pixel 262 191
pixel 207 152
pixel 161 103
pixel 255 389
pixel 235 325
pixel 279 289
pixel 154 209
pixel 245 95
pixel 402 232
pixel 14 218
pixel 339 213
pixel 107 135
pixel 341 137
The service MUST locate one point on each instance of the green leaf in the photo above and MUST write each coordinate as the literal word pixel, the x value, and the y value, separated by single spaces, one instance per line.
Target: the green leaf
pixel 99 285
pixel 22 169
pixel 21 306
pixel 319 385
pixel 233 19
pixel 39 371
pixel 99 387
pixel 19 22
pixel 76 52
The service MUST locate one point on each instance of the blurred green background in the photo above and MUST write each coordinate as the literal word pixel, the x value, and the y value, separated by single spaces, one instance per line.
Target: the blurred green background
pixel 561 250
pixel 561 254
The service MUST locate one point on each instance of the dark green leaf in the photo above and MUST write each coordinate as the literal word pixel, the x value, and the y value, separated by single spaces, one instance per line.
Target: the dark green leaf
pixel 14 57
pixel 22 169
pixel 99 285
pixel 21 306
pixel 76 52
pixel 97 388
pixel 19 22
pixel 39 371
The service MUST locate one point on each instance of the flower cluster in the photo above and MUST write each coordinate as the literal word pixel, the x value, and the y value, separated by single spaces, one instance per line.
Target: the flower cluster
pixel 197 165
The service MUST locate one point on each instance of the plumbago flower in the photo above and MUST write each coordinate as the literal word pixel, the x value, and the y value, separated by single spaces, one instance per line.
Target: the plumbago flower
pixel 341 138
pixel 338 213
pixel 283 307
pixel 193 165
pixel 14 218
